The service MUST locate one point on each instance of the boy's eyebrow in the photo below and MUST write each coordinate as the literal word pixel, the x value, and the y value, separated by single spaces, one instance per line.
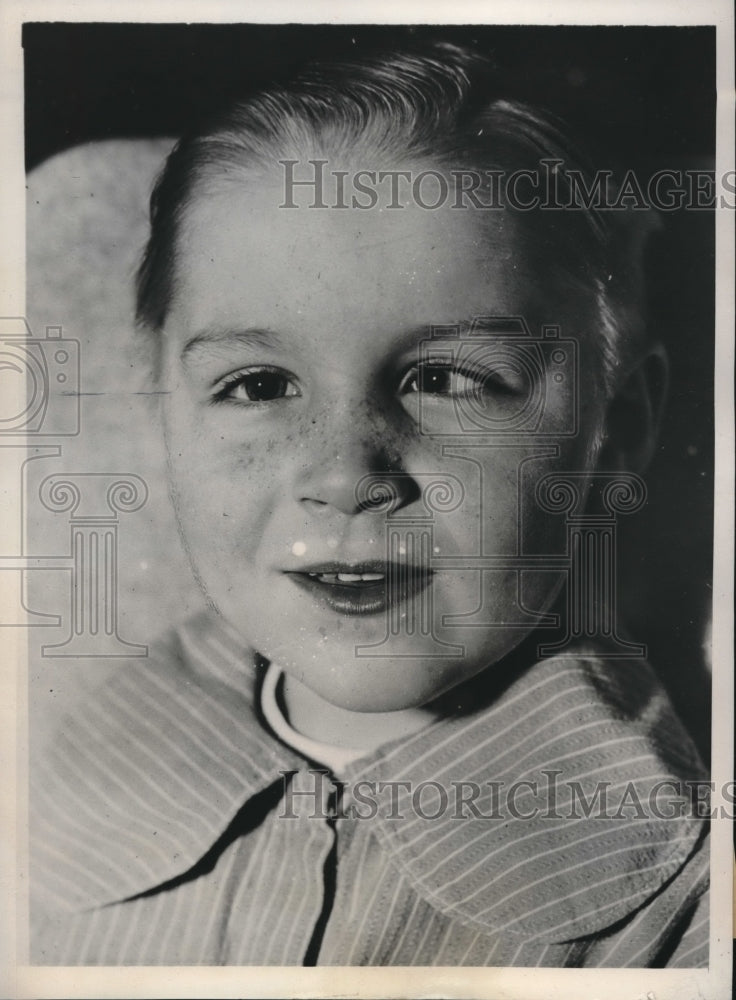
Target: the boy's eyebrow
pixel 488 325
pixel 263 338
pixel 252 337
pixel 469 326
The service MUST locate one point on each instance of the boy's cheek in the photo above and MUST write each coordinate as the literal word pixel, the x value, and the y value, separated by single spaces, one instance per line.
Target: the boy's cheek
pixel 202 447
pixel 222 501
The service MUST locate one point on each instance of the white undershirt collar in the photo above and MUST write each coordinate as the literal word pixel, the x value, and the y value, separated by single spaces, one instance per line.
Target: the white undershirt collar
pixel 335 758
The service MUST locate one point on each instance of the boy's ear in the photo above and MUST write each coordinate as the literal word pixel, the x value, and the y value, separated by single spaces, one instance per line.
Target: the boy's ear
pixel 634 414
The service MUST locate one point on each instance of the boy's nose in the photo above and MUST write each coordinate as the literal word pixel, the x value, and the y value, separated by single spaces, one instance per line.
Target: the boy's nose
pixel 342 459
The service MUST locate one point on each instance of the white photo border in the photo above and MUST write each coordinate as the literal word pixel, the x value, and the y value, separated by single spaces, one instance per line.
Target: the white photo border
pixel 23 981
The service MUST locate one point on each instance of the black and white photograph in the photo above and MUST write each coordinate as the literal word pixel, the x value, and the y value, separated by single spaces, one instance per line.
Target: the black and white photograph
pixel 367 426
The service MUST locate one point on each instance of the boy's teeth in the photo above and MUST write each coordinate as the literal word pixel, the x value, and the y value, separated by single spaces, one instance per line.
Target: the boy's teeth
pixel 347 577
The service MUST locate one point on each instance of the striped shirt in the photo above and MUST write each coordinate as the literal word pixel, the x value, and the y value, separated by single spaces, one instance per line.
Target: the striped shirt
pixel 538 827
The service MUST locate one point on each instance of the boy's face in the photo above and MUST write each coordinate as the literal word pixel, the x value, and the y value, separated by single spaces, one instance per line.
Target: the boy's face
pixel 292 364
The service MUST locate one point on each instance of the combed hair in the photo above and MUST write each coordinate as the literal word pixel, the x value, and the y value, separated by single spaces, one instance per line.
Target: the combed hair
pixel 440 103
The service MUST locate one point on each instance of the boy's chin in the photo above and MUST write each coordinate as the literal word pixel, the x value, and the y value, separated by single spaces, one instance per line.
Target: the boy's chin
pixel 382 684
pixel 404 672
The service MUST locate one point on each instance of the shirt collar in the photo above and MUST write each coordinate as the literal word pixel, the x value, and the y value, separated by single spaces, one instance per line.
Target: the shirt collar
pixel 152 770
pixel 149 775
pixel 566 834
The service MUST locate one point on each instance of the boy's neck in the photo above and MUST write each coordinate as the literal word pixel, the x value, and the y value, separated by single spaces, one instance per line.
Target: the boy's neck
pixel 316 718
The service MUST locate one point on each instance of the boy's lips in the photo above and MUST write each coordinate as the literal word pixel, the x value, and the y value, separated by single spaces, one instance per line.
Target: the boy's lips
pixel 365 588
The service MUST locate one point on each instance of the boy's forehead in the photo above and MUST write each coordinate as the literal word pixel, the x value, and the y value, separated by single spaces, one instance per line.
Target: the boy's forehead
pixel 239 248
pixel 255 210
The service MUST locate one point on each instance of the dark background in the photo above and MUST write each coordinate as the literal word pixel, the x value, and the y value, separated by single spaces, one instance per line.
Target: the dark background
pixel 645 93
pixel 643 98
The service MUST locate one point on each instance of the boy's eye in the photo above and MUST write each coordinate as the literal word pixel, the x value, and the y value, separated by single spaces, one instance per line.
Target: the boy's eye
pixel 444 379
pixel 256 385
